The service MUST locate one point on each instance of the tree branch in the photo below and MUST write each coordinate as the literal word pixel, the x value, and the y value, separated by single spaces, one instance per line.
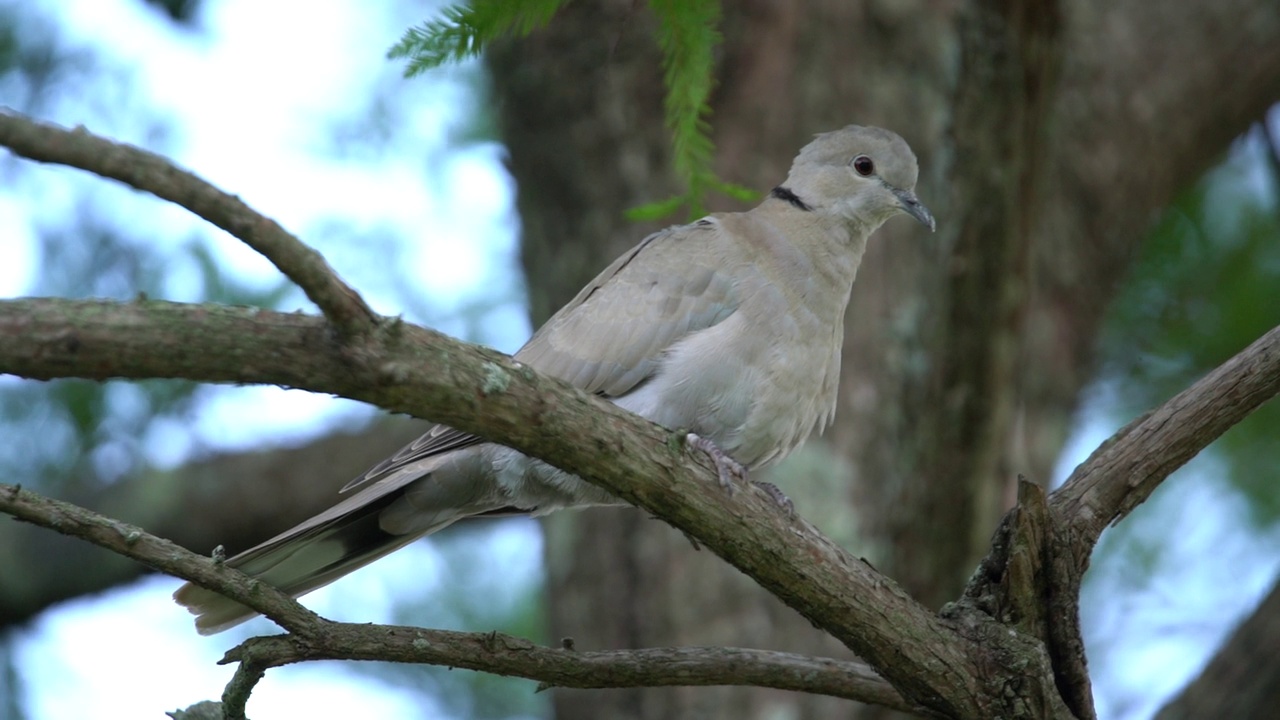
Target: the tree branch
pixel 408 369
pixel 1032 576
pixel 313 638
pixel 143 170
pixel 1126 469
pixel 235 696
pixel 244 498
pixel 561 667
pixel 133 542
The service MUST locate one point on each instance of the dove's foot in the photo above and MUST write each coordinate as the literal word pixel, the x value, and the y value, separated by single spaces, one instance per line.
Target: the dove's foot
pixel 726 467
pixel 776 495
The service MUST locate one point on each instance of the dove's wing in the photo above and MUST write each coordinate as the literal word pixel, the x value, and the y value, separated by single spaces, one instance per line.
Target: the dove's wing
pixel 610 338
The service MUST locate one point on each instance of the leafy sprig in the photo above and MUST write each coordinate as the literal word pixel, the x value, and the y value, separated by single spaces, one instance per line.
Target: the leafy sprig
pixel 463 31
pixel 688 35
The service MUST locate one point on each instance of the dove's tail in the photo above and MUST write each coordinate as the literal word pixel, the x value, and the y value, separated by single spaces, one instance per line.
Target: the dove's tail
pixel 376 521
pixel 402 503
pixel 303 559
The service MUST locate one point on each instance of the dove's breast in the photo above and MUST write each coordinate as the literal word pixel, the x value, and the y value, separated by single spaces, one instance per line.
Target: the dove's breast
pixel 758 383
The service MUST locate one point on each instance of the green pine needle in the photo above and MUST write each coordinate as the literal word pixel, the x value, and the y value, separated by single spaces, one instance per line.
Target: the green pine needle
pixel 687 35
pixel 737 192
pixel 463 31
pixel 688 38
pixel 657 210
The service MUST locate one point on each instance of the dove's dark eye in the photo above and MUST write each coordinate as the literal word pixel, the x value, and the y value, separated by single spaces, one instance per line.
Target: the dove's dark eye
pixel 863 165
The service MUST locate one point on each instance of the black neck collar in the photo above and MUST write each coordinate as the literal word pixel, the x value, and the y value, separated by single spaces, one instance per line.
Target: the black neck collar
pixel 784 193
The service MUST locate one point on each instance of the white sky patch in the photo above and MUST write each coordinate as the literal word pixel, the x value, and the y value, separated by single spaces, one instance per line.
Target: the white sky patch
pixel 252 103
pixel 17 249
pixel 242 418
pixel 115 656
pixel 450 261
pixel 1164 625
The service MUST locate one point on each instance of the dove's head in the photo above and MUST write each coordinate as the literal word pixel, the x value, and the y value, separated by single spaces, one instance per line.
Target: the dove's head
pixel 865 175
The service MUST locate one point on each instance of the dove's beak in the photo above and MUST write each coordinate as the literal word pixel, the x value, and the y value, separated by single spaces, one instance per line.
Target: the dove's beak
pixel 912 206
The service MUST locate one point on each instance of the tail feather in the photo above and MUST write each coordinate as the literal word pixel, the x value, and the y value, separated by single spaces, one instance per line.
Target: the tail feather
pixel 299 562
pixel 407 501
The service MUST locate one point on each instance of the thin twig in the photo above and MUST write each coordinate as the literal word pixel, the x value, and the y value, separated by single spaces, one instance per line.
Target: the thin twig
pixel 138 168
pixel 158 553
pixel 560 667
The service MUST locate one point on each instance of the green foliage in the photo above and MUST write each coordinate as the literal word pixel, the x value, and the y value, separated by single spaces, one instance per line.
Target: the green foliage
pixel 656 210
pixel 1206 285
pixel 687 35
pixel 463 31
pixel 693 198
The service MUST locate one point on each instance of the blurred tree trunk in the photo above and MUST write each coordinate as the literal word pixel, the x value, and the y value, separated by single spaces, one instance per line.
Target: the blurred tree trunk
pixel 1243 679
pixel 965 351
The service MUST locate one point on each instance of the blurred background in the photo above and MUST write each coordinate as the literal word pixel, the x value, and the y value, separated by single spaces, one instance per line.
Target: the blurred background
pixel 1091 261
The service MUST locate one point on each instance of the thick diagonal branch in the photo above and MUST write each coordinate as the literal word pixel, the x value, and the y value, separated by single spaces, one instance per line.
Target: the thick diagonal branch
pixel 1034 572
pixel 157 175
pixel 1031 579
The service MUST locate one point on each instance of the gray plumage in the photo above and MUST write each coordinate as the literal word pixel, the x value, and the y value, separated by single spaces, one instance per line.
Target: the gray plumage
pixel 730 327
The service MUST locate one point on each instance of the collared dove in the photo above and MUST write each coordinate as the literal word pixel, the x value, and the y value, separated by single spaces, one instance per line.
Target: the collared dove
pixel 729 327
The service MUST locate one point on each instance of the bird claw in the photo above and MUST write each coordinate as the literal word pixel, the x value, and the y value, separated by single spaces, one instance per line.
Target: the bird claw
pixel 727 468
pixel 777 496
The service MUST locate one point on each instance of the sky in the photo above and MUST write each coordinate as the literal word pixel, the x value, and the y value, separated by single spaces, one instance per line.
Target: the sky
pixel 251 102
